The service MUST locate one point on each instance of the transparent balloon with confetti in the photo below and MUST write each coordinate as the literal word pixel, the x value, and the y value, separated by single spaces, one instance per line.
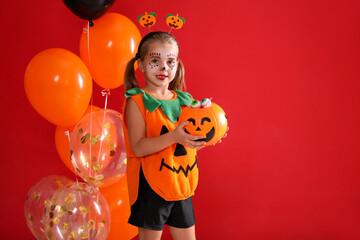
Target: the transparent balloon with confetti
pixel 97 147
pixel 34 204
pixel 76 211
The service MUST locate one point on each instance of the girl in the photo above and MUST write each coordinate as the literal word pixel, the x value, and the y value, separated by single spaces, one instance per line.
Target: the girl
pixel 162 168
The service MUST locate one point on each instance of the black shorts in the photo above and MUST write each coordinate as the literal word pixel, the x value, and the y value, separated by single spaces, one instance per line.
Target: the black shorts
pixel 152 212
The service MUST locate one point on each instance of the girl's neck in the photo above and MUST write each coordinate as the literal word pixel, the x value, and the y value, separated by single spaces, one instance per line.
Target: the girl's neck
pixel 159 92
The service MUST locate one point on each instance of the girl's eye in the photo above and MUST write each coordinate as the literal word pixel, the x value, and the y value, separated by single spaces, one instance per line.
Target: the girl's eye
pixel 155 61
pixel 171 63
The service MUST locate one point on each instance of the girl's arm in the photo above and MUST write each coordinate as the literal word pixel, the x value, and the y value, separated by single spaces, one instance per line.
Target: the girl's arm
pixel 142 146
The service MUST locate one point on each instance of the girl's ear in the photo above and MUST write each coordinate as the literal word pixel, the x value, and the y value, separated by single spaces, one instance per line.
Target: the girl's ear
pixel 141 65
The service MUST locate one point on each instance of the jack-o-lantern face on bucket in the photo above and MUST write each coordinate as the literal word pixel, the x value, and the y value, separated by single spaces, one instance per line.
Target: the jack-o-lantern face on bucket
pixel 210 122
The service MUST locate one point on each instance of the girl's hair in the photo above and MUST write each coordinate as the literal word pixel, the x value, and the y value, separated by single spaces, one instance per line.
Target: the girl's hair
pixel 130 80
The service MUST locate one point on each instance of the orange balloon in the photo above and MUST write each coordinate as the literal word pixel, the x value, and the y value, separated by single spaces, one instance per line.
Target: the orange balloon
pixel 113 41
pixel 62 141
pixel 117 198
pixel 210 122
pixel 58 85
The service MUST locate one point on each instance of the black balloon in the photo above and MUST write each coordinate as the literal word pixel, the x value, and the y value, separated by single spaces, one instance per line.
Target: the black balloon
pixel 89 9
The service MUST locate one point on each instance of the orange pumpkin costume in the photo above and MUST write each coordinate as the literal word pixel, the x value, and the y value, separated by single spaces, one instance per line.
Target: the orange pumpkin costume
pixel 172 172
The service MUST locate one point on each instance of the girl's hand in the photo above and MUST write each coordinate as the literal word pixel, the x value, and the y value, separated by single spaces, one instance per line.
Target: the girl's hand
pixel 180 136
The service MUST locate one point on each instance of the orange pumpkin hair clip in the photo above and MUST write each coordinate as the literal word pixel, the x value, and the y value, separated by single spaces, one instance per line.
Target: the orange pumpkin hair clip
pixel 149 20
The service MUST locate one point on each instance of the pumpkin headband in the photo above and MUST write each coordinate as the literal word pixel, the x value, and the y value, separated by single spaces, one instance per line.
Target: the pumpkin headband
pixel 149 20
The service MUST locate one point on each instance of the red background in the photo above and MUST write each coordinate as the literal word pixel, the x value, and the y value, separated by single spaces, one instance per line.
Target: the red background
pixel 287 74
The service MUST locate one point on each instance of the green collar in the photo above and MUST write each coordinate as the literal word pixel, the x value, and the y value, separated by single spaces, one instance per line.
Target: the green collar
pixel 171 108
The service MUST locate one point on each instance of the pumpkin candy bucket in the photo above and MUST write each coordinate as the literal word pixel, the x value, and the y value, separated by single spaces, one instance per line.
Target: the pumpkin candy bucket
pixel 210 122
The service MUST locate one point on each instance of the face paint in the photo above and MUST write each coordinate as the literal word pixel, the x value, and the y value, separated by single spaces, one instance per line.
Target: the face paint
pixel 153 65
pixel 158 68
pixel 155 54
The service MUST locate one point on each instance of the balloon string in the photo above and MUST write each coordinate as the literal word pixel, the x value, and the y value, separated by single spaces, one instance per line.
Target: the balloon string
pixel 67 133
pixel 91 105
pixel 92 96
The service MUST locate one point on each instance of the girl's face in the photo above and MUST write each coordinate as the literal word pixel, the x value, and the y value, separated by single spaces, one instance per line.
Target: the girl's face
pixel 160 64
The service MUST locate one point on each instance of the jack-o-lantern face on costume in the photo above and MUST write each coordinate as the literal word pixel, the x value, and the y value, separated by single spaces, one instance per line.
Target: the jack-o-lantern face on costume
pixel 147 20
pixel 210 122
pixel 174 22
pixel 179 152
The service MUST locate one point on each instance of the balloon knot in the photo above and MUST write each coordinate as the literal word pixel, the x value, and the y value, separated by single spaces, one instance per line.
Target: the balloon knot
pixel 105 92
pixel 91 24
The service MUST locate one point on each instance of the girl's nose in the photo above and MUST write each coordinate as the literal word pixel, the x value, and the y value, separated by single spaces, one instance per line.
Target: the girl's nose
pixel 163 68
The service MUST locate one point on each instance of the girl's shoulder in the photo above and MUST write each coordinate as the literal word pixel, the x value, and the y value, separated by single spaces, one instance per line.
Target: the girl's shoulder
pixel 133 91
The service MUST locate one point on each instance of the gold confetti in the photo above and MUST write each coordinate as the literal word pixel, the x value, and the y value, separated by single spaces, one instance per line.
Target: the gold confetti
pixel 31 218
pixel 69 200
pixel 63 208
pixel 73 235
pixel 51 224
pixel 85 210
pixel 94 232
pixel 97 167
pixel 84 235
pixel 93 159
pixel 108 138
pixel 36 198
pixel 70 212
pixel 87 164
pixel 47 203
pixel 103 223
pixel 52 208
pixel 59 183
pixel 125 161
pixel 78 170
pixel 79 188
pixel 85 193
pixel 94 140
pixel 99 177
pixel 112 146
pixel 107 125
pixel 90 224
pixel 51 214
pixel 56 220
pixel 118 166
pixel 49 234
pixel 99 183
pixel 85 138
pixel 66 225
